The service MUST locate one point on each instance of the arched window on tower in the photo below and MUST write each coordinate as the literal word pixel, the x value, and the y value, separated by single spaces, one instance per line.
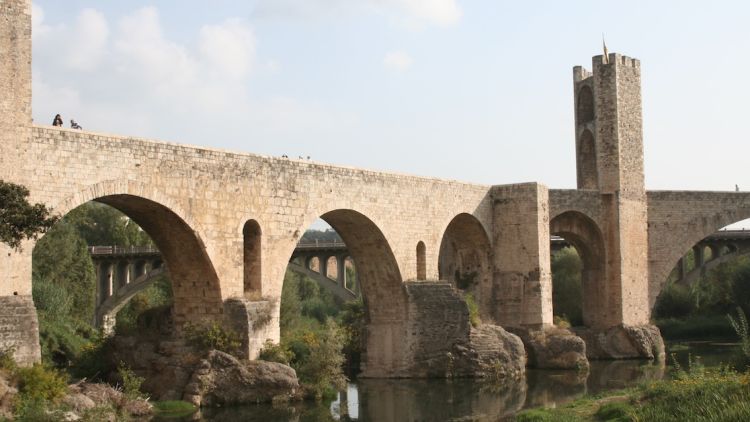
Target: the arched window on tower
pixel 587 171
pixel 585 106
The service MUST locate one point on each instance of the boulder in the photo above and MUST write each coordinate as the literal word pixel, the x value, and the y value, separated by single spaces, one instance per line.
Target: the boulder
pixel 222 379
pixel 623 342
pixel 554 348
pixel 490 351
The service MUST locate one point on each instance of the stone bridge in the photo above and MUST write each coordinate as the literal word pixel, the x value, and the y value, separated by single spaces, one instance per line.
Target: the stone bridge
pixel 227 224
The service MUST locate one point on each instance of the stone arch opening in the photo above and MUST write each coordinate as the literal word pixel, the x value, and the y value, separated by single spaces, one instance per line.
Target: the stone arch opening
pixel 421 261
pixel 707 279
pixel 464 260
pixel 194 283
pixel 585 106
pixel 585 236
pixel 587 167
pixel 251 257
pixel 366 269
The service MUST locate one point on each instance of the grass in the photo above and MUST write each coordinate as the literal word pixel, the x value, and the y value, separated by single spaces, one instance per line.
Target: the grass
pixel 697 394
pixel 173 409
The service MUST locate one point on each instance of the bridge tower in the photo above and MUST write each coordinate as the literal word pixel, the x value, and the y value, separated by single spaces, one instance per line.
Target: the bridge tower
pixel 18 319
pixel 609 159
pixel 15 84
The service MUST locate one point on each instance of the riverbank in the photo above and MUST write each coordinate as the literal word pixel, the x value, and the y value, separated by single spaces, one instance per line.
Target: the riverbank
pixel 696 393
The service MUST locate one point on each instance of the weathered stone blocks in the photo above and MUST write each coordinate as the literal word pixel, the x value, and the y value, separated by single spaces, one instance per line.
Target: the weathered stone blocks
pixel 623 342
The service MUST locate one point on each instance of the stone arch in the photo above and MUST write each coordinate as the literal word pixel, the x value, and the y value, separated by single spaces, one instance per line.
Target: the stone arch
pixel 380 283
pixel 421 261
pixel 585 106
pixel 195 284
pixel 251 257
pixel 464 259
pixel 584 234
pixel 587 167
pixel 678 238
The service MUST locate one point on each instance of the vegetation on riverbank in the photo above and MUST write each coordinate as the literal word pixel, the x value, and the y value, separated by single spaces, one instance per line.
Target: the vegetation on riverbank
pixel 696 394
pixel 319 335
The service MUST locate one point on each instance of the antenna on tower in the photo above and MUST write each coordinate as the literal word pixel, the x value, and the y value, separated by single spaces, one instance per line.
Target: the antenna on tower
pixel 606 52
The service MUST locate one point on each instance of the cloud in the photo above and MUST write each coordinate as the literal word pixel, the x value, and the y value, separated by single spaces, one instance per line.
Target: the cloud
pixel 398 60
pixel 411 13
pixel 147 84
pixel 436 12
pixel 230 47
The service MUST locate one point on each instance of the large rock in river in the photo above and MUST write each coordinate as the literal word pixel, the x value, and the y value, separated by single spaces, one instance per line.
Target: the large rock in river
pixel 222 379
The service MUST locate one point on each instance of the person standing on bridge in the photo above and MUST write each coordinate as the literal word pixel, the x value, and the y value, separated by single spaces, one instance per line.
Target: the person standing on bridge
pixel 57 121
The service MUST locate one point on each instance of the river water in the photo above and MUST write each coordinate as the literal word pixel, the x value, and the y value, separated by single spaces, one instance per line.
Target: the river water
pixel 470 399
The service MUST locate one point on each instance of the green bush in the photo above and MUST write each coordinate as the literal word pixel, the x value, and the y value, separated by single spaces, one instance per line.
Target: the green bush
pixel 696 326
pixel 352 322
pixel 675 301
pixel 93 362
pixel 272 352
pixel 473 310
pixel 567 294
pixel 322 373
pixel 131 383
pixel 41 382
pixel 213 336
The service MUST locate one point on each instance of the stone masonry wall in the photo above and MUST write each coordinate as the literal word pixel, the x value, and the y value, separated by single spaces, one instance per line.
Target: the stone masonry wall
pixel 677 220
pixel 522 275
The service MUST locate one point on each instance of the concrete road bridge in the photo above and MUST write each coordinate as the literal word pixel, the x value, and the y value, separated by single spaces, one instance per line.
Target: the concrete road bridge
pixel 716 249
pixel 123 272
pixel 227 223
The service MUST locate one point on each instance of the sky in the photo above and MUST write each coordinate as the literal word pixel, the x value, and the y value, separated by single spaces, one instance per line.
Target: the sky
pixel 471 90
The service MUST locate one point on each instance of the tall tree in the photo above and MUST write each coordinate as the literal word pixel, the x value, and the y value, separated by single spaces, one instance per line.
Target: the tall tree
pixel 20 220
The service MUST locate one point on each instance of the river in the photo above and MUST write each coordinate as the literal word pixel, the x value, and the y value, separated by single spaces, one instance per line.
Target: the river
pixel 470 399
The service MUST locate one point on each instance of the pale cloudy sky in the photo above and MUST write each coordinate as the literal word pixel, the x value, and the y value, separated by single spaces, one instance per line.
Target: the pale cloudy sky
pixel 474 90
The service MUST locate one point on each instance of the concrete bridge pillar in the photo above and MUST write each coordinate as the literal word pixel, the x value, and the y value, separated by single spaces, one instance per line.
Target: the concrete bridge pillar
pixel 699 256
pixel 341 270
pixel 323 265
pixel 106 282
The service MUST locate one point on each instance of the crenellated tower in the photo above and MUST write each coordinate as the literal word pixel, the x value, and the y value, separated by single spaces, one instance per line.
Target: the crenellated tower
pixel 609 159
pixel 15 84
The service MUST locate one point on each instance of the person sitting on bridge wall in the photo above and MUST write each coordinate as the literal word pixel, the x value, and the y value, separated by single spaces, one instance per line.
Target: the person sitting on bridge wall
pixel 57 121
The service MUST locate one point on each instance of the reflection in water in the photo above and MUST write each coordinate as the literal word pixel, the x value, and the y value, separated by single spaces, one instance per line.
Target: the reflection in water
pixel 463 399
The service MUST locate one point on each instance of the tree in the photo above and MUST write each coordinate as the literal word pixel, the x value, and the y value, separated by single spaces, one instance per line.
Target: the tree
pixel 20 220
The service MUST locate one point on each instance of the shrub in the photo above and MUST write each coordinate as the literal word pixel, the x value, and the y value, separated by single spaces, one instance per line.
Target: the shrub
pixel 272 352
pixel 322 372
pixel 352 321
pixel 41 382
pixel 131 383
pixel 740 326
pixel 213 336
pixel 567 294
pixel 93 362
pixel 473 310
